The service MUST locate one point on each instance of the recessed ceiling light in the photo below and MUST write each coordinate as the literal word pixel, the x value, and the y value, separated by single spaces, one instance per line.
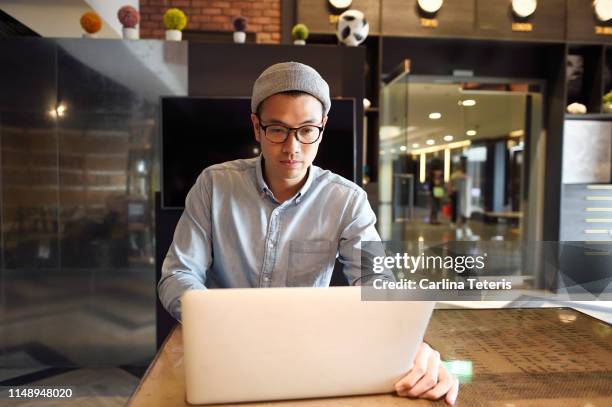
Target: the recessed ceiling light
pixel 392 151
pixel 471 132
pixel 435 115
pixel 415 145
pixel 403 148
pixel 448 137
pixel 468 102
pixel 430 142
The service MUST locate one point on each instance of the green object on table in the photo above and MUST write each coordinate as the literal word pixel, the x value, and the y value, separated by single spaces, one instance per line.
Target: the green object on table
pixel 460 368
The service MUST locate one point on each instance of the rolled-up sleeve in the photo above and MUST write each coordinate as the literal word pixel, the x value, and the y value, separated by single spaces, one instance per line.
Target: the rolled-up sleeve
pixel 358 227
pixel 190 254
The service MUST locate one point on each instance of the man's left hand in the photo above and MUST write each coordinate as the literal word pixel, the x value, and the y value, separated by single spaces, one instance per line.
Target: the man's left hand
pixel 428 379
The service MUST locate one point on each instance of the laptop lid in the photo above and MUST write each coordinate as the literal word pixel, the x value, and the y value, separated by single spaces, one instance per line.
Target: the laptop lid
pixel 287 343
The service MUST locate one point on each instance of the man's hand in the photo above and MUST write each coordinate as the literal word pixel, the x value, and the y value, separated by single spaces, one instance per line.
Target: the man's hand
pixel 428 378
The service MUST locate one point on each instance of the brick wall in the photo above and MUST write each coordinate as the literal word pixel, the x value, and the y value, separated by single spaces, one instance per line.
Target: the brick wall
pixel 214 15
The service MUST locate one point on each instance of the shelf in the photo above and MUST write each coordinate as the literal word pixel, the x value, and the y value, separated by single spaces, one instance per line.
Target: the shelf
pixel 589 116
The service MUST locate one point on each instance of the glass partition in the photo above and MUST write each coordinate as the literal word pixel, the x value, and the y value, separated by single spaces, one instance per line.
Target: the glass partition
pixel 79 166
pixel 458 161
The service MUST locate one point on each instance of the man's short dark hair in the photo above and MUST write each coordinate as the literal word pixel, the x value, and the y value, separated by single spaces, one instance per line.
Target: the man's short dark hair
pixel 292 93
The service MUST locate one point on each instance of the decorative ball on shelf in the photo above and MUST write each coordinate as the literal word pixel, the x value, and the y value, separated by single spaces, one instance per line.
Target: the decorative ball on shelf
pixel 299 32
pixel 340 4
pixel 91 23
pixel 353 28
pixel 174 21
pixel 576 108
pixel 430 6
pixel 129 18
pixel 603 9
pixel 524 8
pixel 240 25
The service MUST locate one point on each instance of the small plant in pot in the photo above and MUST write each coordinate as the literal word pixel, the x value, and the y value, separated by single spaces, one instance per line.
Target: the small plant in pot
pixel 91 23
pixel 240 25
pixel 299 32
pixel 174 21
pixel 607 102
pixel 129 18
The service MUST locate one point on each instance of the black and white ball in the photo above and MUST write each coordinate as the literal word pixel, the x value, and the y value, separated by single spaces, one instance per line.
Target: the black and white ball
pixel 353 28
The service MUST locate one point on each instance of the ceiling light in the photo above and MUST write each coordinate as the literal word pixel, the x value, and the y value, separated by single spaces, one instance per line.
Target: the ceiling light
pixel 468 102
pixel 58 111
pixel 430 142
pixel 435 115
pixel 448 137
pixel 471 132
pixel 392 151
pixel 415 145
pixel 403 148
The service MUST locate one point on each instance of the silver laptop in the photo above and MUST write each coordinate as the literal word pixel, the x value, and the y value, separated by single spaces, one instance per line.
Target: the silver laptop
pixel 288 343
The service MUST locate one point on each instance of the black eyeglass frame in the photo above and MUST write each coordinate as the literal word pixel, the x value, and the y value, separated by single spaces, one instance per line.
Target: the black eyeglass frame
pixel 289 130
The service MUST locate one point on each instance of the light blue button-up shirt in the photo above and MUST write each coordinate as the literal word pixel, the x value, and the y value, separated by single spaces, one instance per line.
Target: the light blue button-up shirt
pixel 234 233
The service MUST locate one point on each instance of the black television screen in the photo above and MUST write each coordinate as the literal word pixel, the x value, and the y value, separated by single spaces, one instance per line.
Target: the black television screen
pixel 198 132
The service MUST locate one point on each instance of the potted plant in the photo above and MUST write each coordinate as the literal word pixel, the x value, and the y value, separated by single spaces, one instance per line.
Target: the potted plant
pixel 240 25
pixel 607 102
pixel 91 23
pixel 299 32
pixel 129 17
pixel 174 21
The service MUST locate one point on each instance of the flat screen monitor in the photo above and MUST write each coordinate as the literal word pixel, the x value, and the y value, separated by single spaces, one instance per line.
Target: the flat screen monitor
pixel 198 132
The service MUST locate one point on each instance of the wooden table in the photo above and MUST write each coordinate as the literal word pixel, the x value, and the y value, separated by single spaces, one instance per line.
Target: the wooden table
pixel 518 357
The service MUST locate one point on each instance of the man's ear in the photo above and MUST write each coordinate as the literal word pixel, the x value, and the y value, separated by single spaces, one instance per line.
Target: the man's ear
pixel 256 128
pixel 324 121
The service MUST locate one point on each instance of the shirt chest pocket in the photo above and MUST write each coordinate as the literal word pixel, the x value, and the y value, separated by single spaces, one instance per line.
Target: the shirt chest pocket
pixel 309 262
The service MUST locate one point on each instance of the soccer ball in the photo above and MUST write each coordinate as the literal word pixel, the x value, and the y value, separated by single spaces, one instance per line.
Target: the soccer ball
pixel 353 28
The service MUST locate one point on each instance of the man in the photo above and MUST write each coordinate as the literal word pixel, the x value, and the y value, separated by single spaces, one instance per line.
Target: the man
pixel 278 220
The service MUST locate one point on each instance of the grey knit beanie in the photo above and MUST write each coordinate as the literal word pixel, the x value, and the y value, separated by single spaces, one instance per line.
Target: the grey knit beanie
pixel 287 76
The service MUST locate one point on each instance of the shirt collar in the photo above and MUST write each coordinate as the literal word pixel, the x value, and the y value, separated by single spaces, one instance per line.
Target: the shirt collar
pixel 263 187
pixel 261 184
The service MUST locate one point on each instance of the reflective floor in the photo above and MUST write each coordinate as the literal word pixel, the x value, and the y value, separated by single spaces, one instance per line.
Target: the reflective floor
pixel 93 318
pixel 420 228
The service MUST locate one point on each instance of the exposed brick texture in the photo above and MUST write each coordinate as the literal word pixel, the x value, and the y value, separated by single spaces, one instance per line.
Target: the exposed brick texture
pixel 214 15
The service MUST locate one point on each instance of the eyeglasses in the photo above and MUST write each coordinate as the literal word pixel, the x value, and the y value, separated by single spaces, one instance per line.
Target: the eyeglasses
pixel 278 134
